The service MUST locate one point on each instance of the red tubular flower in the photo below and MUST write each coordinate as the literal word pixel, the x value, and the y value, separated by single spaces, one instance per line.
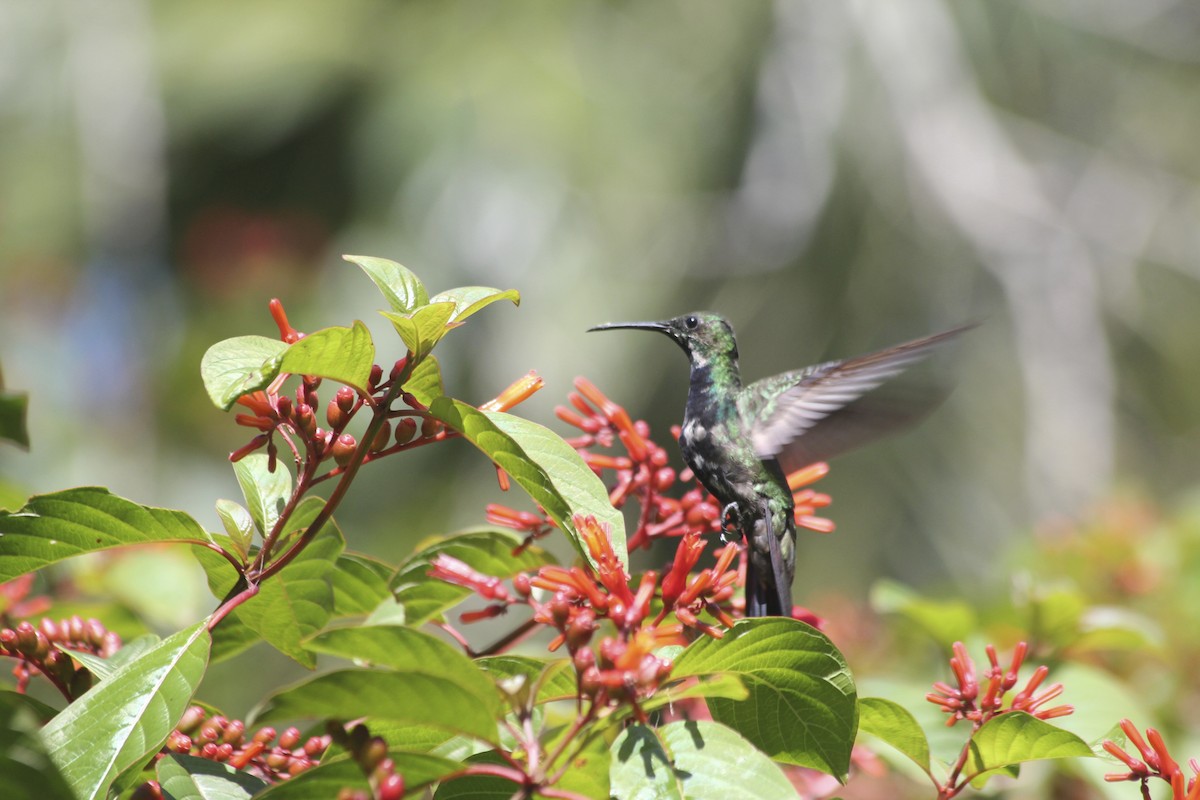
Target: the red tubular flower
pixel 596 538
pixel 686 555
pixel 518 392
pixel 451 570
pixel 286 332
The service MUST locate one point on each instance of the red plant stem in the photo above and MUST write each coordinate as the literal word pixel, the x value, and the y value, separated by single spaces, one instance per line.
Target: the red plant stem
pixel 230 604
pixel 508 640
pixel 396 448
pixel 576 726
pixel 221 551
pixel 339 491
pixel 952 787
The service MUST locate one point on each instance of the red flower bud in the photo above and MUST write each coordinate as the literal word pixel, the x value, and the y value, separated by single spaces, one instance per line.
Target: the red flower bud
pixel 406 429
pixel 343 449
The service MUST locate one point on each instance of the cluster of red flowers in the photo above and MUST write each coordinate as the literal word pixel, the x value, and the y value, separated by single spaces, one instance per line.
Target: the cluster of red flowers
pixel 1155 762
pixel 971 701
pixel 262 753
pixel 623 667
pixel 44 649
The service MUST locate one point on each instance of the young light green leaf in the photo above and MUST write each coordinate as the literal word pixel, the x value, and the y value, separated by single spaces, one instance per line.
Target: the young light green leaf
pixel 1016 737
pixel 489 551
pixel 892 723
pixel 727 687
pixel 425 382
pixel 26 769
pixel 124 719
pixel 103 668
pixel 407 650
pixel 801 708
pixel 542 464
pixel 414 698
pixel 421 329
pixel 238 523
pixel 333 775
pixel 238 366
pixel 266 492
pixel 469 299
pixel 388 612
pixel 194 778
pixel 402 289
pixel 13 410
pixel 340 354
pixel 55 526
pixel 694 760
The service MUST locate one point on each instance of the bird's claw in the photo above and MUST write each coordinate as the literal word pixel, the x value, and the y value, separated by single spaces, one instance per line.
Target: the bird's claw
pixel 731 522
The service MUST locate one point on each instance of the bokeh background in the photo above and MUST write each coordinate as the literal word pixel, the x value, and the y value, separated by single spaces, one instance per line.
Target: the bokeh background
pixel 833 177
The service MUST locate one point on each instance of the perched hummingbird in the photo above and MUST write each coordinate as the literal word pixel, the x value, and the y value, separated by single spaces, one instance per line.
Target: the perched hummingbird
pixel 741 441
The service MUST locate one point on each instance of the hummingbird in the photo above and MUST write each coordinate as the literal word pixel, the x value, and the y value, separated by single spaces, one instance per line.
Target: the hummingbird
pixel 742 441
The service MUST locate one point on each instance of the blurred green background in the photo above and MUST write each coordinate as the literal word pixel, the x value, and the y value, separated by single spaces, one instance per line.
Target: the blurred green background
pixel 833 177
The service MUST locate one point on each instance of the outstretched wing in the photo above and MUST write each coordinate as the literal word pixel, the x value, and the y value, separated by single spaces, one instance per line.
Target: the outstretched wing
pixel 812 414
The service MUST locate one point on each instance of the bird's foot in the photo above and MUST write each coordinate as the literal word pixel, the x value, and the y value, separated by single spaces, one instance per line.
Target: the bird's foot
pixel 731 522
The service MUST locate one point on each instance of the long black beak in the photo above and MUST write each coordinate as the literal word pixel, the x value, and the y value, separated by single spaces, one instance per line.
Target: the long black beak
pixel 662 327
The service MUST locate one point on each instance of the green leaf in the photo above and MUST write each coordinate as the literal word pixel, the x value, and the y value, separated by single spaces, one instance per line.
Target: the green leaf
pixel 414 698
pixel 237 523
pixel 239 366
pixel 489 551
pixel 422 329
pixel 725 686
pixel 542 464
pixel 947 621
pixel 13 410
pixel 290 605
pixel 425 382
pixel 694 760
pixel 26 769
pixel 124 719
pixel 194 778
pixel 801 708
pixel 104 668
pixel 407 650
pixel 556 680
pixel 1016 737
pixel 402 289
pixel 360 584
pixel 588 768
pixel 266 492
pixel 326 780
pixel 892 723
pixel 469 299
pixel 340 354
pixel 55 526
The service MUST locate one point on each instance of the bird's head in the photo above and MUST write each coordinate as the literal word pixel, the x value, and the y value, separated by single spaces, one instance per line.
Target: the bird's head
pixel 704 336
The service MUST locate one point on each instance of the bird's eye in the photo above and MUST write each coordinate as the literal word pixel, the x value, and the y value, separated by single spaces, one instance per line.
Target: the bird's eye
pixel 691 323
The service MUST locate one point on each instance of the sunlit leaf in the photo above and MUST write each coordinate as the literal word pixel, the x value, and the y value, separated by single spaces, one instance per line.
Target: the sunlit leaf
pixel 402 289
pixel 542 464
pixel 421 329
pixel 1016 737
pixel 469 299
pixel 801 707
pixel 51 527
pixel 238 524
pixel 425 382
pixel 360 584
pixel 124 719
pixel 340 354
pixel 238 366
pixel 266 492
pixel 193 778
pixel 555 677
pixel 407 650
pixel 893 724
pixel 693 760
pixel 414 698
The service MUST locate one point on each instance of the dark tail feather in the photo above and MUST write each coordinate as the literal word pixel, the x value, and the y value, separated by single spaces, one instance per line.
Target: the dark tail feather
pixel 768 595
